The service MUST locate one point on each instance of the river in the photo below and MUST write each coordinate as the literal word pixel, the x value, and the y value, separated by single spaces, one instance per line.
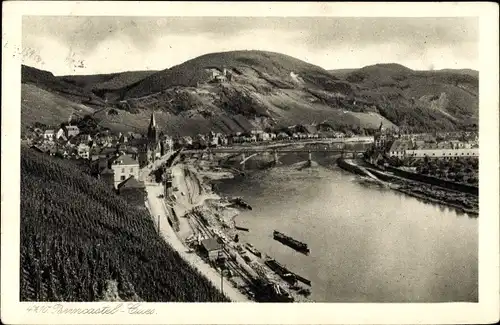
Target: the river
pixel 368 244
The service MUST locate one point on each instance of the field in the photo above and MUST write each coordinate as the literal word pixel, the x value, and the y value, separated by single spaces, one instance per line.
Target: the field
pixel 81 242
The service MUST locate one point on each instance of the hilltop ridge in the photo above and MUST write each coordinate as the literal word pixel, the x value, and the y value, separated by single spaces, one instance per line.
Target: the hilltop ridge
pixel 240 90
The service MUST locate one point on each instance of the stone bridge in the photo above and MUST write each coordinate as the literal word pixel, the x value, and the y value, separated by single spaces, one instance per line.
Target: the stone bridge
pixel 247 153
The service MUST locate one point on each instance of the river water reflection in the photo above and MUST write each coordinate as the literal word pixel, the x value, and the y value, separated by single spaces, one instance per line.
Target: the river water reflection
pixel 368 244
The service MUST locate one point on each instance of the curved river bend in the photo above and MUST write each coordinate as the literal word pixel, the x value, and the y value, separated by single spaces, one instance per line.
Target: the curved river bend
pixel 368 244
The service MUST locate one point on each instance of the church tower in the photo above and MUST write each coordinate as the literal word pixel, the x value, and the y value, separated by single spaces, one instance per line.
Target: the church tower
pixel 152 131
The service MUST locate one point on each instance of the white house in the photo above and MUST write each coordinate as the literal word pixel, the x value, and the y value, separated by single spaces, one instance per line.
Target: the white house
pixel 83 150
pixel 283 135
pixel 123 167
pixel 71 130
pixel 264 136
pixel 49 135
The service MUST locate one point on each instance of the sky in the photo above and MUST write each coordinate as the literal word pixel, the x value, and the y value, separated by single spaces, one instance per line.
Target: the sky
pixel 67 45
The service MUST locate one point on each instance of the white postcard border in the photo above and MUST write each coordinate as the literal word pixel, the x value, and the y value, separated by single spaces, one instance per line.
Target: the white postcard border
pixel 486 311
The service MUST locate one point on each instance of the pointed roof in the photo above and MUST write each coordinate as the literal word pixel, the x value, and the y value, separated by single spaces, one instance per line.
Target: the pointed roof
pixel 107 171
pixel 152 121
pixel 131 182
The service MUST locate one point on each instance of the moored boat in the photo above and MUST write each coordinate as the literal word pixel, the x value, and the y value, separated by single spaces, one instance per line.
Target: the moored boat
pixel 253 250
pixel 291 242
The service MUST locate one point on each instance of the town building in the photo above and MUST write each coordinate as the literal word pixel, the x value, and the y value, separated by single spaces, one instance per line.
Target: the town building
pixel 213 139
pixel 211 248
pixel 166 145
pixel 282 136
pixel 123 167
pixel 264 136
pixel 148 147
pixel 83 151
pixel 381 138
pixel 60 134
pixel 123 138
pixel 49 135
pixel 94 153
pixel 223 76
pixel 399 147
pixel 108 152
pixel 71 131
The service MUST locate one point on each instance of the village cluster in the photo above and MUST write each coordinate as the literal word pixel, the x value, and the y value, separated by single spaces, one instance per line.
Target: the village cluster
pixel 118 157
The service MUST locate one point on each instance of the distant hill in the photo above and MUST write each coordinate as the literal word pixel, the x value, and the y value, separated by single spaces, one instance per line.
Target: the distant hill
pixel 424 100
pixel 106 83
pixel 341 73
pixel 470 72
pixel 266 89
pixel 47 81
pixel 81 242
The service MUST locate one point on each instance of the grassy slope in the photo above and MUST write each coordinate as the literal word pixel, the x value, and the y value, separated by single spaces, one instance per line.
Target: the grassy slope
pixel 47 81
pixel 78 238
pixel 39 105
pixel 51 101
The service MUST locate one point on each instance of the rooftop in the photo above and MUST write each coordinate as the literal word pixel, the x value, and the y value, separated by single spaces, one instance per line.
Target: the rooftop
pixel 106 171
pixel 131 182
pixel 124 160
pixel 400 145
pixel 211 244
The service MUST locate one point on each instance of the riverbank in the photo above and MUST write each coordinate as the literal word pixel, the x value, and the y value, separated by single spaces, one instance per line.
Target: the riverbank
pixel 203 214
pixel 460 201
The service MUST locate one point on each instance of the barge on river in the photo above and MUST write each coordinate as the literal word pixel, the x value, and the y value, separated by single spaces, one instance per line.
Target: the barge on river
pixel 282 271
pixel 289 241
pixel 285 273
pixel 238 201
pixel 253 250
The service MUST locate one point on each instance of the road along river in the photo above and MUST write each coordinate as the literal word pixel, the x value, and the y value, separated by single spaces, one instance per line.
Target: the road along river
pixel 157 208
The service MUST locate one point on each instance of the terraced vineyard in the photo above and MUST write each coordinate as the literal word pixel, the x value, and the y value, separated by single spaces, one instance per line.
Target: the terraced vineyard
pixel 79 239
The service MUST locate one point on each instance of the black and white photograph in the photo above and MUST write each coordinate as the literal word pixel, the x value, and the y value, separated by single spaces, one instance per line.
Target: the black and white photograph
pixel 272 158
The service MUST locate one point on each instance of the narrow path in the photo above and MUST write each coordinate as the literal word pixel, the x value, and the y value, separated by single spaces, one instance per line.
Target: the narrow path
pixel 158 210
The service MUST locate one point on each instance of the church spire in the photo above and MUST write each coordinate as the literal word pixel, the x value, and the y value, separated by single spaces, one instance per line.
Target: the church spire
pixel 152 121
pixel 152 132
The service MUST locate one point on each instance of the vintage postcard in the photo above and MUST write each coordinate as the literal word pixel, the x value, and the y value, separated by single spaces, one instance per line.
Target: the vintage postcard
pixel 250 163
